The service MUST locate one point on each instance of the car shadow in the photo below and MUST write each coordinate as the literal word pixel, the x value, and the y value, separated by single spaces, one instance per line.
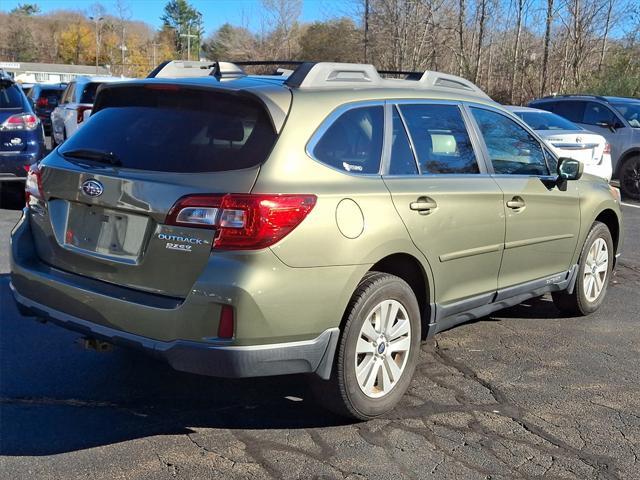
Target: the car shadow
pixel 57 397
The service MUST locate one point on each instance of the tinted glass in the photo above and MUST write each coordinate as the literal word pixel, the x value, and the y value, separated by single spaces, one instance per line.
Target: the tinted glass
pixel 511 148
pixel 440 138
pixel 570 110
pixel 631 112
pixel 353 142
pixel 10 95
pixel 89 92
pixel 177 131
pixel 402 161
pixel 598 114
pixel 546 121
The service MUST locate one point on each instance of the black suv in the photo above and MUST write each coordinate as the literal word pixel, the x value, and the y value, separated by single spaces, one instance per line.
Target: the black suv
pixel 615 118
pixel 21 134
pixel 44 98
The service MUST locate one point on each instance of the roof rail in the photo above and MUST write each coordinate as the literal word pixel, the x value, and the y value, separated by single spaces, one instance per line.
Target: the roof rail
pixel 571 95
pixel 332 75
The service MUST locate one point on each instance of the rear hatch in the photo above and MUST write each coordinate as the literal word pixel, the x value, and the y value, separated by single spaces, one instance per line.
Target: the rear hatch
pixel 580 145
pixel 12 141
pixel 109 188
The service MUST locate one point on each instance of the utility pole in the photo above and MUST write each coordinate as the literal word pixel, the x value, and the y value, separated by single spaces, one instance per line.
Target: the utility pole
pixel 188 36
pixel 366 30
pixel 97 21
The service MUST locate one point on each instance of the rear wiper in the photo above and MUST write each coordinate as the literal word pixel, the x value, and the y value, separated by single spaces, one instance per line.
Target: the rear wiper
pixel 93 154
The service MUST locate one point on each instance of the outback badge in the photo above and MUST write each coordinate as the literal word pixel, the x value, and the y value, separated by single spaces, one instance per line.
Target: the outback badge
pixel 92 188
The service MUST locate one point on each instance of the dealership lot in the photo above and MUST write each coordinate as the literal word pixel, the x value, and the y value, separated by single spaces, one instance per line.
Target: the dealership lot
pixel 520 394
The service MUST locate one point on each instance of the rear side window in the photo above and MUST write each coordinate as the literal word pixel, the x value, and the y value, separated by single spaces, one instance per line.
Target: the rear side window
pixel 511 148
pixel 89 92
pixel 571 110
pixel 10 95
pixel 177 130
pixel 402 161
pixel 353 142
pixel 440 139
pixel 598 114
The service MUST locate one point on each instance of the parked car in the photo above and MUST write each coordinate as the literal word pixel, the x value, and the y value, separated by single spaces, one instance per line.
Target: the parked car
pixel 75 106
pixel 44 98
pixel 567 139
pixel 323 223
pixel 615 118
pixel 21 134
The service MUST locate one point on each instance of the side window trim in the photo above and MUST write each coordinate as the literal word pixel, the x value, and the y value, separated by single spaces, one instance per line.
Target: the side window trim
pixel 519 122
pixel 409 138
pixel 328 122
pixel 469 125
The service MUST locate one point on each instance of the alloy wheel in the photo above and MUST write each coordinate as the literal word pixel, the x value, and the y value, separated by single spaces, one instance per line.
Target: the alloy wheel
pixel 595 269
pixel 383 348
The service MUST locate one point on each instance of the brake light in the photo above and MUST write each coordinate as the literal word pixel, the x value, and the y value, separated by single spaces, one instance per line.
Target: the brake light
pixel 242 221
pixel 81 110
pixel 20 121
pixel 42 102
pixel 33 185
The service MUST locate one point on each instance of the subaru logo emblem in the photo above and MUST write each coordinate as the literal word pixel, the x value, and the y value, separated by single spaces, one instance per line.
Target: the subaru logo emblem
pixel 93 188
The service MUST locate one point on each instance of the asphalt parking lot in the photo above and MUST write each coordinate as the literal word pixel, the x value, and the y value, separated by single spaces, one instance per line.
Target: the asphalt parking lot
pixel 520 394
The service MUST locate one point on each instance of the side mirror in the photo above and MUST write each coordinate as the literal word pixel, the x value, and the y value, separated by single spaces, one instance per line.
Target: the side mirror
pixel 569 169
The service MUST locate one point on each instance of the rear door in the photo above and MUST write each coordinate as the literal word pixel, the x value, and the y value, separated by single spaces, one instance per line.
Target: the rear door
pixel 451 207
pixel 542 220
pixel 109 188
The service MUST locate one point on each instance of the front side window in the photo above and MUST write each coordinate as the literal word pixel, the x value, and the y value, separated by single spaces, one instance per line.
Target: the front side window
pixel 631 112
pixel 353 142
pixel 440 139
pixel 511 148
pixel 598 114
pixel 68 94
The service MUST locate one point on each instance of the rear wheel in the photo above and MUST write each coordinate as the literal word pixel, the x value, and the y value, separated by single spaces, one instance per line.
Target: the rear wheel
pixel 594 270
pixel 378 349
pixel 630 178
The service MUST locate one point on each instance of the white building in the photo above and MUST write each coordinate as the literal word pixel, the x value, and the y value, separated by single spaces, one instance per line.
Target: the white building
pixel 26 72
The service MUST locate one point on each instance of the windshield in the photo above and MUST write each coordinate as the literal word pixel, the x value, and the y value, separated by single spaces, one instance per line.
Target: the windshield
pixel 174 131
pixel 546 121
pixel 10 96
pixel 630 111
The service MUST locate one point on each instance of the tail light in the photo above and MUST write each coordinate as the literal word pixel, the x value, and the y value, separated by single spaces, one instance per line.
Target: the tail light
pixel 20 121
pixel 33 185
pixel 607 148
pixel 242 221
pixel 80 112
pixel 42 102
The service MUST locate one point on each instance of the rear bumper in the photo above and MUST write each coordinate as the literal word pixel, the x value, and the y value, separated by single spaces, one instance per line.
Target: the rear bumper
pixel 273 336
pixel 307 356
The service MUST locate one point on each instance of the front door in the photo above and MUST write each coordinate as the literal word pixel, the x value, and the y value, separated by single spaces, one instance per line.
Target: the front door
pixel 542 219
pixel 451 207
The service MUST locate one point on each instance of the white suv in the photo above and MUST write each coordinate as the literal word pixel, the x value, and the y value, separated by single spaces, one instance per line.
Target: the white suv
pixel 75 106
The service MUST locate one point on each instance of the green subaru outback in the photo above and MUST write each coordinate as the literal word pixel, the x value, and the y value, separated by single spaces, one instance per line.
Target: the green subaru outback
pixel 322 222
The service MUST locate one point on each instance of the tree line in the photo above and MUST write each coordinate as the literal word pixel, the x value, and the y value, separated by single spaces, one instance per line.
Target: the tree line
pixel 514 49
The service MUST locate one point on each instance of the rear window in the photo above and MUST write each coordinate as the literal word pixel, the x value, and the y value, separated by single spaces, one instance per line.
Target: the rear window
pixel 89 92
pixel 10 96
pixel 547 121
pixel 177 130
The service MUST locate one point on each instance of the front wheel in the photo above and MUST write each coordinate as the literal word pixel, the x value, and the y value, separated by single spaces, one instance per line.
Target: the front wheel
pixel 594 269
pixel 630 178
pixel 378 349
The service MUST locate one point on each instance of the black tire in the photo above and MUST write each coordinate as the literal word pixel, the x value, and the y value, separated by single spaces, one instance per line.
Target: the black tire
pixel 341 393
pixel 577 303
pixel 630 178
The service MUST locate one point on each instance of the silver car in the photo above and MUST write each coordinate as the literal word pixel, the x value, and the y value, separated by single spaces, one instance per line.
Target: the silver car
pixel 615 118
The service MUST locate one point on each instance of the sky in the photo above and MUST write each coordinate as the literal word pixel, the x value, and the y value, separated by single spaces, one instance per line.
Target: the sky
pixel 214 12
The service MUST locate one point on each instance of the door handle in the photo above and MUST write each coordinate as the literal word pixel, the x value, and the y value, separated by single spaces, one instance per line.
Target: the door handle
pixel 516 203
pixel 423 205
